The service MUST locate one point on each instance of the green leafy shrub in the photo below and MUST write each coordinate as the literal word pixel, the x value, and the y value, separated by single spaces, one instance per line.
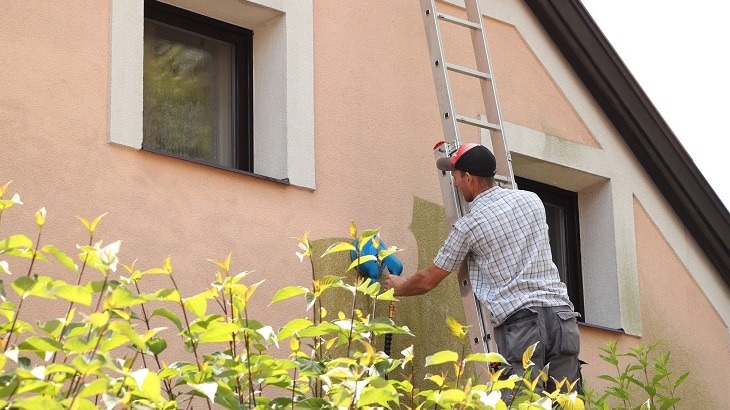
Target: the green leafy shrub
pixel 645 373
pixel 106 351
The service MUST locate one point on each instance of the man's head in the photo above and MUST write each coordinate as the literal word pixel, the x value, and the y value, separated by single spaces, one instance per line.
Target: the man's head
pixel 473 167
pixel 475 159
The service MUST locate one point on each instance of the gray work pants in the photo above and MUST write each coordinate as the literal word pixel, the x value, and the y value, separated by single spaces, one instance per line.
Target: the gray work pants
pixel 556 329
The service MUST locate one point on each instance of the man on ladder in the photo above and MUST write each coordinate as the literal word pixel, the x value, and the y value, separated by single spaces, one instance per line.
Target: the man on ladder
pixel 500 245
pixel 504 240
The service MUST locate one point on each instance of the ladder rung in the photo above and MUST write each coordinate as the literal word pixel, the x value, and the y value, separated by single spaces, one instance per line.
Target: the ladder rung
pixel 468 71
pixel 503 179
pixel 478 123
pixel 461 22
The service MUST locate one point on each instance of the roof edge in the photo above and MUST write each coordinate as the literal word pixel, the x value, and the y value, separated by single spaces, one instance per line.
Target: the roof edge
pixel 629 109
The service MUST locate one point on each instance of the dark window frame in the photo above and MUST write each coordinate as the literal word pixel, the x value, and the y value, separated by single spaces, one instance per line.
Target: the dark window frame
pixel 568 201
pixel 242 40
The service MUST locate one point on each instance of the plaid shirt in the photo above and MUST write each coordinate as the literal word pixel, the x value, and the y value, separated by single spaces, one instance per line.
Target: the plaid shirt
pixel 504 239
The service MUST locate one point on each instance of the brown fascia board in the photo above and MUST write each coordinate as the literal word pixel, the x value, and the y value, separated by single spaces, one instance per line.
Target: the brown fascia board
pixel 626 105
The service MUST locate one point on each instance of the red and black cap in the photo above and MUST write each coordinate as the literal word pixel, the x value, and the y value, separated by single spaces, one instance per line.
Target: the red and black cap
pixel 475 159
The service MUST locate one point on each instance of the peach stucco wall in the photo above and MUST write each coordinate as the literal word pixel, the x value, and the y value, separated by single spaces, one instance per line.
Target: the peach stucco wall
pixel 675 314
pixel 376 120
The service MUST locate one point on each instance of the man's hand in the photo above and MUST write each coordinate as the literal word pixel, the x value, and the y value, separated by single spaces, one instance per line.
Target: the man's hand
pixel 393 282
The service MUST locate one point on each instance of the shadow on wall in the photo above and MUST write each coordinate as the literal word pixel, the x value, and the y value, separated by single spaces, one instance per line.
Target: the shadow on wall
pixel 424 315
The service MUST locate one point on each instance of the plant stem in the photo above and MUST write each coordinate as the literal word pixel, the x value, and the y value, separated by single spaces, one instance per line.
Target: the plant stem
pixel 71 305
pixel 103 290
pixel 20 304
pixel 168 387
pixel 293 387
pixel 239 388
pixel 247 344
pixel 187 324
pixel 77 390
pixel 12 326
pixel 35 251
pixel 190 334
pixel 352 316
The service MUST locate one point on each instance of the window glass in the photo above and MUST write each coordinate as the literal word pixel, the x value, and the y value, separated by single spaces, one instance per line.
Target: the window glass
pixel 188 94
pixel 561 211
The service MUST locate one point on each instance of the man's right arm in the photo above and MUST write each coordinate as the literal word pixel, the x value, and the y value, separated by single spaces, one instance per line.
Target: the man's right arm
pixel 423 281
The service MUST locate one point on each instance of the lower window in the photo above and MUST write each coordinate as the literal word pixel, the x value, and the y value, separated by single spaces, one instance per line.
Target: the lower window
pixel 561 209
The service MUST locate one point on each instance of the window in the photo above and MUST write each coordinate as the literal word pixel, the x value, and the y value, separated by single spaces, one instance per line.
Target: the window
pixel 197 83
pixel 282 131
pixel 561 209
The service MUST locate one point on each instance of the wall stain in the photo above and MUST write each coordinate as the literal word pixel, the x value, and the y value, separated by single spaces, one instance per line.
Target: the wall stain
pixel 424 315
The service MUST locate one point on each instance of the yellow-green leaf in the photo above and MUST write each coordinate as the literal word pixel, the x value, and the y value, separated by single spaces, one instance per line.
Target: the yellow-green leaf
pixel 387 252
pixel 168 294
pixel 77 345
pixel 378 396
pixel 16 242
pixel 113 342
pixel 155 271
pixel 486 358
pixel 127 330
pixel 121 298
pixel 456 328
pixel 166 313
pixel 353 229
pixel 157 345
pixel 151 386
pixel 26 253
pixel 39 344
pixel 451 396
pixel 339 247
pixel 388 295
pixel 37 402
pixel 225 265
pixel 91 226
pixel 361 260
pixel 219 332
pixel 197 304
pixel 293 327
pixel 324 328
pixel 61 257
pixel 94 388
pixel 208 389
pixel 288 292
pixel 444 356
pixel 75 294
pixel 439 380
pixel 527 356
pixel 99 319
pixel 23 285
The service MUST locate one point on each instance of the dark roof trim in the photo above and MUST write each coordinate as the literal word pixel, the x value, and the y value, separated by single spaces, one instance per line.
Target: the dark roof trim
pixel 656 147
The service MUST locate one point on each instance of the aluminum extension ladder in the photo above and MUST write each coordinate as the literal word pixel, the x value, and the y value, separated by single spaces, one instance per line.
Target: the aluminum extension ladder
pixel 477 316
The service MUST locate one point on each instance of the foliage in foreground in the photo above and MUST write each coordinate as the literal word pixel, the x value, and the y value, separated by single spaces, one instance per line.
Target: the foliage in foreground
pixel 105 350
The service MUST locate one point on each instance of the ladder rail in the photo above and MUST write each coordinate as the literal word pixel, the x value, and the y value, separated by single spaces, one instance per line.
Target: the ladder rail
pixel 489 91
pixel 438 67
pixel 477 316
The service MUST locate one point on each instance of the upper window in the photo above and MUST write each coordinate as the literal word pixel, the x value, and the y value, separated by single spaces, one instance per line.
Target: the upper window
pixel 197 86
pixel 561 210
pixel 214 45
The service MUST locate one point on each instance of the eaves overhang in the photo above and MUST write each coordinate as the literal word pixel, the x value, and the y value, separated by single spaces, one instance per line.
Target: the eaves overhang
pixel 634 116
